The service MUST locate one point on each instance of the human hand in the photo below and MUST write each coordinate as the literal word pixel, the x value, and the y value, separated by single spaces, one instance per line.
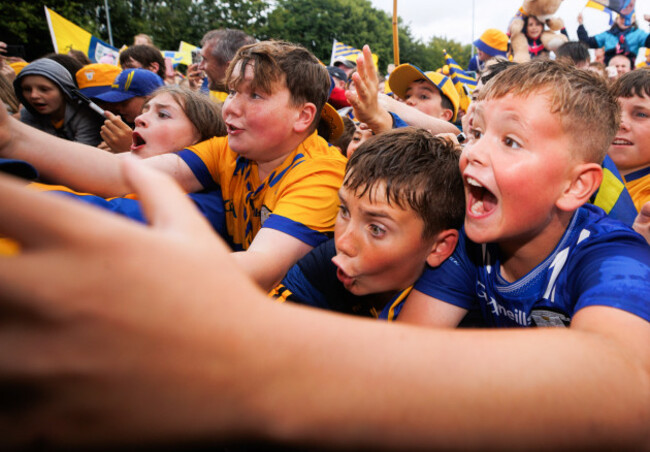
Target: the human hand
pixel 646 17
pixel 642 222
pixel 108 319
pixel 116 134
pixel 580 19
pixel 195 76
pixel 364 99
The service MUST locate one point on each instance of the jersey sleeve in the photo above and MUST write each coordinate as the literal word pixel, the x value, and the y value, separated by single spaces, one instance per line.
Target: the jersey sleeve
pixel 207 160
pixel 308 200
pixel 312 280
pixel 454 281
pixel 615 273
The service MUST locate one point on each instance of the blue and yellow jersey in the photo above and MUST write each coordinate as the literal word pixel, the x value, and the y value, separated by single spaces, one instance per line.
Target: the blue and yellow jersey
pixel 638 185
pixel 298 198
pixel 312 281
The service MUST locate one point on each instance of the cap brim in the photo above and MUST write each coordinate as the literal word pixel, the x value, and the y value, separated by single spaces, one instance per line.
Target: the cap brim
pixel 402 76
pixel 115 96
pixel 334 122
pixel 94 91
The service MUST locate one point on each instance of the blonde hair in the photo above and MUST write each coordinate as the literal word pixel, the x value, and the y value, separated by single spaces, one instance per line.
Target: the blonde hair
pixel 587 110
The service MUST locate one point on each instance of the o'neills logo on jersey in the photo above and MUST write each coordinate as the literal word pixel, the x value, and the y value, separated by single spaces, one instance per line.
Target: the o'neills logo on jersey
pixel 265 213
pixel 498 310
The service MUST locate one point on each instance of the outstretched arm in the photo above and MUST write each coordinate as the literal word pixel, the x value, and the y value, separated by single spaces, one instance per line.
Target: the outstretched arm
pixel 109 320
pixel 81 167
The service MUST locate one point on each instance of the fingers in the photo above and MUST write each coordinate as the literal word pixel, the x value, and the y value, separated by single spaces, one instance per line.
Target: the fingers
pixel 164 204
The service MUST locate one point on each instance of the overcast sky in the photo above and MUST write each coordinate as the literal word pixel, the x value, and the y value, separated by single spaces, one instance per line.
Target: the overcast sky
pixel 453 19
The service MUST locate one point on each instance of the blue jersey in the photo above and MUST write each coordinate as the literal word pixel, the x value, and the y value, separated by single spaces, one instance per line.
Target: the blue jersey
pixel 598 261
pixel 313 282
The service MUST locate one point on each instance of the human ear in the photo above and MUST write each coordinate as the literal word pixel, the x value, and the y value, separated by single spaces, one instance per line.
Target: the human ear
pixel 446 115
pixel 585 181
pixel 153 67
pixel 305 117
pixel 443 247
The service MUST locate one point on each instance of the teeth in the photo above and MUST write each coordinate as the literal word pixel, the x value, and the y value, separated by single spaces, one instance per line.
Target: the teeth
pixel 477 207
pixel 473 182
pixel 621 142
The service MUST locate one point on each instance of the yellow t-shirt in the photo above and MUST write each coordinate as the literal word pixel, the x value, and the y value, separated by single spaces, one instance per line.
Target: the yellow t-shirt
pixel 298 198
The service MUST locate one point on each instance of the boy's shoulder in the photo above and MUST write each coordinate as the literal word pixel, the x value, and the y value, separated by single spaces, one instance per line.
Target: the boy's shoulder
pixel 598 261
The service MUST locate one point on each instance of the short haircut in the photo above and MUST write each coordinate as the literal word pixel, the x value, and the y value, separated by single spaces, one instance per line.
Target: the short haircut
pixel 348 132
pixel 225 43
pixel 276 62
pixel 145 55
pixel 418 170
pixel 574 51
pixel 587 110
pixel 495 68
pixel 635 83
pixel 203 112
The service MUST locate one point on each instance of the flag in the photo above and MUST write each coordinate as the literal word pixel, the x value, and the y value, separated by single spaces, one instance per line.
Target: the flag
pixel 340 50
pixel 175 57
pixel 464 82
pixel 66 35
pixel 601 7
pixel 624 7
pixel 185 49
pixel 612 196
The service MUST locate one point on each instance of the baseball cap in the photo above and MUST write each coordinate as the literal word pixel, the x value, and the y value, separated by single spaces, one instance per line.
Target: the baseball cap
pixel 493 42
pixel 97 78
pixel 18 66
pixel 405 74
pixel 333 120
pixel 337 72
pixel 131 83
pixel 345 62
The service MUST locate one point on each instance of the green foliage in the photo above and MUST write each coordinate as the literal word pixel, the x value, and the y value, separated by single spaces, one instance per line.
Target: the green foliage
pixel 312 23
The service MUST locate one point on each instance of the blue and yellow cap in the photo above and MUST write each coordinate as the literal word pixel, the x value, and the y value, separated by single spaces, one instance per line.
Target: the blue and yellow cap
pixel 131 83
pixel 405 74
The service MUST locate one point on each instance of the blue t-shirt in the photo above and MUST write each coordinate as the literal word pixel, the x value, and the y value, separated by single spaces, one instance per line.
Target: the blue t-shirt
pixel 598 261
pixel 313 282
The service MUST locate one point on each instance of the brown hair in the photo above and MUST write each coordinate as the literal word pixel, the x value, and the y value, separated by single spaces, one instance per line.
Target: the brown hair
pixel 588 112
pixel 635 83
pixel 203 112
pixel 419 171
pixel 145 55
pixel 277 61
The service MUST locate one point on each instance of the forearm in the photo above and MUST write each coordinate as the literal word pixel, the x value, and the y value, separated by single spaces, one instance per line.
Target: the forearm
pixel 428 389
pixel 416 118
pixel 76 165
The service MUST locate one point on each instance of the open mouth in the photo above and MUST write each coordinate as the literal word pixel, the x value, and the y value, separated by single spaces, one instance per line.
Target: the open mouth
pixel 621 142
pixel 480 200
pixel 137 142
pixel 232 129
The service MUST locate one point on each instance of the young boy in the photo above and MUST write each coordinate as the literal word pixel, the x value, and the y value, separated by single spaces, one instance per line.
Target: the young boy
pixel 401 205
pixel 430 92
pixel 531 254
pixel 630 149
pixel 278 178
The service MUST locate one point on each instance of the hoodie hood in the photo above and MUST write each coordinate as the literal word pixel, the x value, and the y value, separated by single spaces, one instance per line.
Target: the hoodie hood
pixel 51 70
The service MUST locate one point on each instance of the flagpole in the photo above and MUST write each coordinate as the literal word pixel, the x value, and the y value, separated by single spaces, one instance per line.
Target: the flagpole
pixel 395 35
pixel 108 23
pixel 472 45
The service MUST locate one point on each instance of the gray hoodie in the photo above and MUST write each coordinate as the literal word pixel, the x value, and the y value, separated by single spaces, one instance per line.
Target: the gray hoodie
pixel 80 122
